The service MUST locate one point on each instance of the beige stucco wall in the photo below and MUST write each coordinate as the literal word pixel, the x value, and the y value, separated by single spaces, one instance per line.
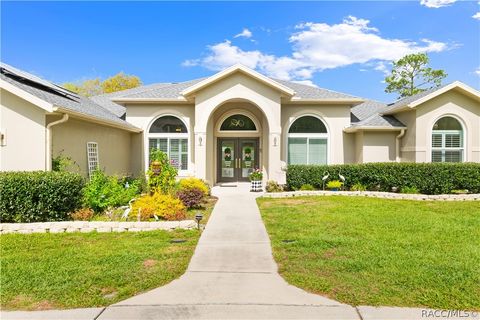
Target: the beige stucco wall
pixel 70 139
pixel 341 147
pixel 379 146
pixel 234 88
pixel 143 115
pixel 454 104
pixel 24 126
pixel 416 145
pixel 408 141
pixel 359 147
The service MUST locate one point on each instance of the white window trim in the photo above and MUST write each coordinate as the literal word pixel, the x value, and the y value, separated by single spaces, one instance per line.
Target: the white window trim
pixel 308 135
pixel 431 132
pixel 148 135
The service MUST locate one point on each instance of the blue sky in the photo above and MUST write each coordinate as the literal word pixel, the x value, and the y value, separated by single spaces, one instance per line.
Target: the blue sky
pixel 343 46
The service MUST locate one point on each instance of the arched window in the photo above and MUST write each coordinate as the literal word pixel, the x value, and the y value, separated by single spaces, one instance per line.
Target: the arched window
pixel 447 140
pixel 170 135
pixel 307 141
pixel 238 122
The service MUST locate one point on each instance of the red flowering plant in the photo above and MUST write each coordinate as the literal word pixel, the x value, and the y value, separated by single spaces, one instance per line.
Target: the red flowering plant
pixel 256 175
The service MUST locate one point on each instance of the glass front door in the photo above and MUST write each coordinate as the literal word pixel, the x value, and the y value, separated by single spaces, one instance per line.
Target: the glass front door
pixel 237 158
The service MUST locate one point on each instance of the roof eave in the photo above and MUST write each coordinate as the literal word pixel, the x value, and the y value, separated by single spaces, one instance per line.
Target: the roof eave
pixel 93 119
pixel 352 102
pixel 372 128
pixel 151 100
pixel 26 96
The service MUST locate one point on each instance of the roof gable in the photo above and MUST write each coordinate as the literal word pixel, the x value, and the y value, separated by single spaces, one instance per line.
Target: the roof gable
pixel 232 70
pixel 411 102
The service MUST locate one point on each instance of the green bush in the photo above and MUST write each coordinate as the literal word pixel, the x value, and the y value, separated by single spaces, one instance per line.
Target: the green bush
pixel 358 187
pixel 273 186
pixel 307 187
pixel 428 178
pixel 410 190
pixel 334 184
pixel 39 196
pixel 103 191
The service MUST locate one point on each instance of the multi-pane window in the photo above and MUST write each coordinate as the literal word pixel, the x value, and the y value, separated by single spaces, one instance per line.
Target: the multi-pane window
pixel 307 141
pixel 447 140
pixel 169 134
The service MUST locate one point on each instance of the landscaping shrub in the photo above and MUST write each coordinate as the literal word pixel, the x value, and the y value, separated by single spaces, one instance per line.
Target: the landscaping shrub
pixel 161 173
pixel 307 187
pixel 358 187
pixel 192 198
pixel 410 190
pixel 103 191
pixel 428 178
pixel 161 205
pixel 83 214
pixel 194 183
pixel 193 192
pixel 334 185
pixel 273 186
pixel 39 196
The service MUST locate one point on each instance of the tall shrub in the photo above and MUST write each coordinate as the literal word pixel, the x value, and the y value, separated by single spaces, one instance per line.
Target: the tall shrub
pixel 39 196
pixel 161 173
pixel 428 178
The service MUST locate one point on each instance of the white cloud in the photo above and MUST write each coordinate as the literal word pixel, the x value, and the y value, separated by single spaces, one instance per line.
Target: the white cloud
pixel 317 47
pixel 436 3
pixel 244 34
pixel 477 72
pixel 476 16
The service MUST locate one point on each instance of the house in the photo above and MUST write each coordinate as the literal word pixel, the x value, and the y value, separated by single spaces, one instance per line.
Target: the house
pixel 221 127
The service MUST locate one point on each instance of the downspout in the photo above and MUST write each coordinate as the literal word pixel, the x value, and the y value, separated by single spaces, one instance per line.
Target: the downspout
pixel 48 143
pixel 397 144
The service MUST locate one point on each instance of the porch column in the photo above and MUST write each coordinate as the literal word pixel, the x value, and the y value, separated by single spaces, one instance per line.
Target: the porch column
pixel 200 155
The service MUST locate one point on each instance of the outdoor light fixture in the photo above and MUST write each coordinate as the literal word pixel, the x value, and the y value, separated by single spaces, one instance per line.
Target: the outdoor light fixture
pixel 198 217
pixel 200 140
pixel 275 141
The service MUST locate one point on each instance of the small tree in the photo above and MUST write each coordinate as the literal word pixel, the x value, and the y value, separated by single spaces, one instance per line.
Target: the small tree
pixel 161 173
pixel 119 82
pixel 411 75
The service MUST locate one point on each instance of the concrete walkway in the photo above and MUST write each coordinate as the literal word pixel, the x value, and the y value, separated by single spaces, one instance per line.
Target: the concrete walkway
pixel 232 275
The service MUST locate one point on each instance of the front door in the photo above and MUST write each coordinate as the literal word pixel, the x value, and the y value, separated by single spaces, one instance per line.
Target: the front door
pixel 236 158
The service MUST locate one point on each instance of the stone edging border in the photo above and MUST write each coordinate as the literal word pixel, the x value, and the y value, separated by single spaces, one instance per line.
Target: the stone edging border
pixel 90 226
pixel 377 194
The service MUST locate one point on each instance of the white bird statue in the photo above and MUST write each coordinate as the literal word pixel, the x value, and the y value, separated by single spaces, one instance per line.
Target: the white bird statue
pixel 342 178
pixel 324 178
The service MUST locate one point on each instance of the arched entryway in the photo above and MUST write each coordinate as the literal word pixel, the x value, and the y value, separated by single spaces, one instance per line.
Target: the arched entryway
pixel 239 130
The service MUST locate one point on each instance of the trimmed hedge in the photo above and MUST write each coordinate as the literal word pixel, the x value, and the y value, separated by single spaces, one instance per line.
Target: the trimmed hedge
pixel 428 178
pixel 39 196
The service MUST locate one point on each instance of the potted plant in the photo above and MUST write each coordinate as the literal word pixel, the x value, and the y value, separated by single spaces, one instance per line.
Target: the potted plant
pixel 256 177
pixel 334 185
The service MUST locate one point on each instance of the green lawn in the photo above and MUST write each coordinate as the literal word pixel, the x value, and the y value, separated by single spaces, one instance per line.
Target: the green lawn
pixel 45 271
pixel 366 251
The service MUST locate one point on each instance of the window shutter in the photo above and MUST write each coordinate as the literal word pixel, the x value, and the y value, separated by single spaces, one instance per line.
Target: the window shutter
pixel 436 156
pixel 92 157
pixel 453 140
pixel 317 151
pixel 436 140
pixel 297 150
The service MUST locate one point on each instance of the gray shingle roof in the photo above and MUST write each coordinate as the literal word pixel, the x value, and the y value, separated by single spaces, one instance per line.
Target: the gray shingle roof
pixel 58 96
pixel 404 101
pixel 162 90
pixel 304 91
pixel 367 115
pixel 105 99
